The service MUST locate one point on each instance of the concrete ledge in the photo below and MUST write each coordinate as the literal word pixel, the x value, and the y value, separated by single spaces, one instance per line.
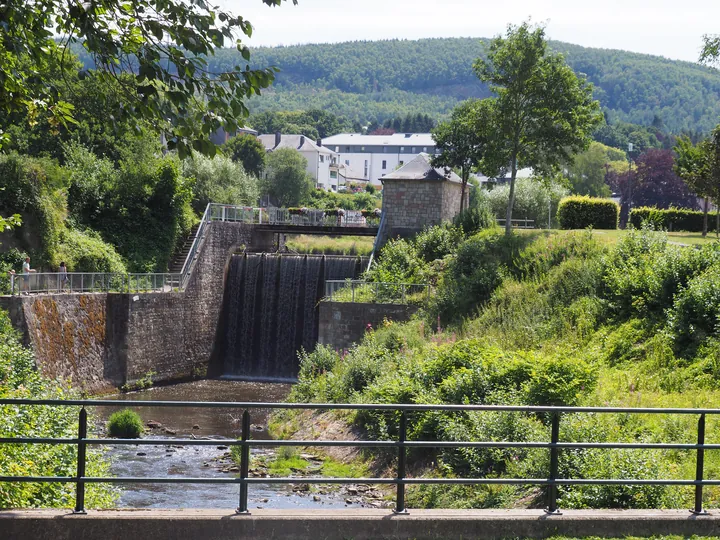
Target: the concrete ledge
pixel 356 524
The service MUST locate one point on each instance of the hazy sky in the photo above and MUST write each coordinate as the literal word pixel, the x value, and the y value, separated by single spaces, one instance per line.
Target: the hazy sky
pixel 664 27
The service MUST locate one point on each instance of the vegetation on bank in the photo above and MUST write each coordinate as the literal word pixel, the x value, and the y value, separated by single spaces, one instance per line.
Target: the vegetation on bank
pixel 20 379
pixel 540 319
pixel 326 245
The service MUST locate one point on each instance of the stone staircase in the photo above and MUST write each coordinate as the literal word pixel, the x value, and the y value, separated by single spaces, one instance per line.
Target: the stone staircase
pixel 178 260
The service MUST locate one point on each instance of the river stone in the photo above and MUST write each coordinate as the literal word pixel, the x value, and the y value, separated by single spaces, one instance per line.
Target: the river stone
pixel 153 424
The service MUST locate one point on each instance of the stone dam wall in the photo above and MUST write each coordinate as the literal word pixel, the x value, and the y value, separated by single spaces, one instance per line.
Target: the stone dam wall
pixel 101 341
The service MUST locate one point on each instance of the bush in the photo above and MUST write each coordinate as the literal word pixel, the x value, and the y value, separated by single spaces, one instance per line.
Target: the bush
pixel 125 424
pixel 533 198
pixel 473 220
pixel 86 252
pixel 582 212
pixel 696 314
pixel 671 219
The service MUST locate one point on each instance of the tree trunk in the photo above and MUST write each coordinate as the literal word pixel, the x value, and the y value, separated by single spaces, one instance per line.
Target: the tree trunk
pixel 705 217
pixel 462 191
pixel 511 198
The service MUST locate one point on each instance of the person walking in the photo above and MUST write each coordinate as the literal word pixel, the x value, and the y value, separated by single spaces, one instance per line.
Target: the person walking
pixel 26 270
pixel 63 275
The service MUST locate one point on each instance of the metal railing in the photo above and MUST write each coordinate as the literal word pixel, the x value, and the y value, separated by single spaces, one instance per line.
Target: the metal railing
pixel 520 223
pixel 84 282
pixel 554 446
pixel 360 291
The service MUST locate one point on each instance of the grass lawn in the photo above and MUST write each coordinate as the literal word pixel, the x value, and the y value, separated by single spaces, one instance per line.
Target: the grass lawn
pixel 331 245
pixel 612 236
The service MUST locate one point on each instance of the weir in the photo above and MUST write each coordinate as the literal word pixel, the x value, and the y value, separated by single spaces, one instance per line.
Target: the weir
pixel 270 311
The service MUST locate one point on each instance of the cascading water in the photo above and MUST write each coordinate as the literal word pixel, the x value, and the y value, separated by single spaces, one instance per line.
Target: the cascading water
pixel 270 311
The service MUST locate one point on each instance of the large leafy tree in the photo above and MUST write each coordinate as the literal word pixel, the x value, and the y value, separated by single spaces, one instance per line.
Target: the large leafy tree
pixel 588 170
pixel 249 151
pixel 544 113
pixel 287 181
pixel 710 53
pixel 164 44
pixel 699 166
pixel 463 139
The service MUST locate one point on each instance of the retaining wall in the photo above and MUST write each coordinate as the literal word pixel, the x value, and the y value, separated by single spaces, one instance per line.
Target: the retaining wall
pixel 344 323
pixel 360 524
pixel 100 341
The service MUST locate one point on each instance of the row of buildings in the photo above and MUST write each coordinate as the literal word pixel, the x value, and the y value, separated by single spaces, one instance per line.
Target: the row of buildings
pixel 353 158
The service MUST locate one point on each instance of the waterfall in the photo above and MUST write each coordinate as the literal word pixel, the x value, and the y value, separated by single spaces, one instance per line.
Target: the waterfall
pixel 270 311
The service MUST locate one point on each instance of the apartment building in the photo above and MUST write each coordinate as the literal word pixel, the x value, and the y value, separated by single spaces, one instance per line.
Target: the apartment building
pixel 321 161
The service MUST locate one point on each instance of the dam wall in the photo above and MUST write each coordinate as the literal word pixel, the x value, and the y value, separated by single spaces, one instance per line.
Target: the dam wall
pixel 101 341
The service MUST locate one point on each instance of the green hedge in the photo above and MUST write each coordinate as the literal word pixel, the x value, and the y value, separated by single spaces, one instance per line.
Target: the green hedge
pixel 672 219
pixel 581 212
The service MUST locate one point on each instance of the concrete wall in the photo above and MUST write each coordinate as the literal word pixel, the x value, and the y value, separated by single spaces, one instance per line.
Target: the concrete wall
pixel 344 323
pixel 101 341
pixel 360 524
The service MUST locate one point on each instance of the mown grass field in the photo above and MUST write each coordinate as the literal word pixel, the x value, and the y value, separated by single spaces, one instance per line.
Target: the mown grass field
pixel 612 236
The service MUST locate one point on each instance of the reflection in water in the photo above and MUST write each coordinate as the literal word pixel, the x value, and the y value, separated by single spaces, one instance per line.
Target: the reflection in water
pixel 179 461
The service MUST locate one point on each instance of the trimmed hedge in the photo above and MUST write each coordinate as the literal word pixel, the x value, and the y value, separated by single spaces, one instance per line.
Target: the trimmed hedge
pixel 672 219
pixel 580 212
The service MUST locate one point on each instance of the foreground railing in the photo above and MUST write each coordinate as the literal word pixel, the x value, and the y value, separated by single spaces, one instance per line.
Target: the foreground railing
pixel 554 446
pixel 83 282
pixel 361 291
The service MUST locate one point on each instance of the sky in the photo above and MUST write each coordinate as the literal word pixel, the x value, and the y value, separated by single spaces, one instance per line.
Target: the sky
pixel 661 27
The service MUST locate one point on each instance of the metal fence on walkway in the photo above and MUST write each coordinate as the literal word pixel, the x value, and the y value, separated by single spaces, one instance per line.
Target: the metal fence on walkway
pixel 86 282
pixel 311 217
pixel 401 445
pixel 360 291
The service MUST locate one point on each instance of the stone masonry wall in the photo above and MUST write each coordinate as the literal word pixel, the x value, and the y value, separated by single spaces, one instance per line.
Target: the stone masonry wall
pixel 451 196
pixel 102 341
pixel 411 205
pixel 344 323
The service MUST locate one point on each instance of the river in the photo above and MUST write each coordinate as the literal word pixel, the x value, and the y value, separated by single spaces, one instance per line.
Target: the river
pixel 200 461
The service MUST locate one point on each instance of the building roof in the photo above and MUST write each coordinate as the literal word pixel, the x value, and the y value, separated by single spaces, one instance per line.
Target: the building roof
pixel 420 168
pixel 297 142
pixel 396 139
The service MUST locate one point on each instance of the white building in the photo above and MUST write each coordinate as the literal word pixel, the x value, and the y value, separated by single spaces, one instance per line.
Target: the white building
pixel 370 157
pixel 321 162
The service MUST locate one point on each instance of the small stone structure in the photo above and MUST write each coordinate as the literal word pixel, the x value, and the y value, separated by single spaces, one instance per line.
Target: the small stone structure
pixel 419 195
pixel 342 324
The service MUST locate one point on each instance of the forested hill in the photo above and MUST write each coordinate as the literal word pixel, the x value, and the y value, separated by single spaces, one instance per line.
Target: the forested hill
pixel 377 79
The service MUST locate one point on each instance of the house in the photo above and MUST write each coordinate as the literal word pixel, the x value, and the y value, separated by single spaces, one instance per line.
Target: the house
pixel 419 195
pixel 370 157
pixel 322 163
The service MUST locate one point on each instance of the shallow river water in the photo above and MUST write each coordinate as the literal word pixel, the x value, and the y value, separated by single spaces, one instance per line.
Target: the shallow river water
pixel 200 461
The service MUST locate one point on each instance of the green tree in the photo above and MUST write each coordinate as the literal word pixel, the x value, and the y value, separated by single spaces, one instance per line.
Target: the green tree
pixel 587 172
pixel 699 166
pixel 287 180
pixel 221 180
pixel 249 151
pixel 544 111
pixel 463 139
pixel 710 53
pixel 163 45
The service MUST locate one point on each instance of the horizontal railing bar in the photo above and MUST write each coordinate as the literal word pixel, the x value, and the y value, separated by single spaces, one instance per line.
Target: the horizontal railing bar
pixel 350 443
pixel 331 480
pixel 351 406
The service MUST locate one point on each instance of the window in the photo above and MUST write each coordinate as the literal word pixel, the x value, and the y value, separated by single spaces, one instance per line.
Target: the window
pixel 384 165
pixel 424 148
pixel 347 162
pixel 384 149
pixel 413 150
pixel 333 174
pixel 337 148
pixel 402 148
pixel 365 175
pixel 362 148
pixel 322 158
pixel 347 148
pixel 401 163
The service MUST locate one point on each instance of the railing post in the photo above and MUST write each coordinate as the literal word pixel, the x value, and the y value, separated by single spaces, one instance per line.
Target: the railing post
pixel 402 435
pixel 80 484
pixel 554 454
pixel 699 465
pixel 12 284
pixel 244 464
pixel 403 293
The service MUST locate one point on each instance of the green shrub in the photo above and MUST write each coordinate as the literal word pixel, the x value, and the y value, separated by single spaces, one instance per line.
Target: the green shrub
pixel 579 212
pixel 671 219
pixel 125 424
pixel 696 314
pixel 533 199
pixel 473 220
pixel 84 251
